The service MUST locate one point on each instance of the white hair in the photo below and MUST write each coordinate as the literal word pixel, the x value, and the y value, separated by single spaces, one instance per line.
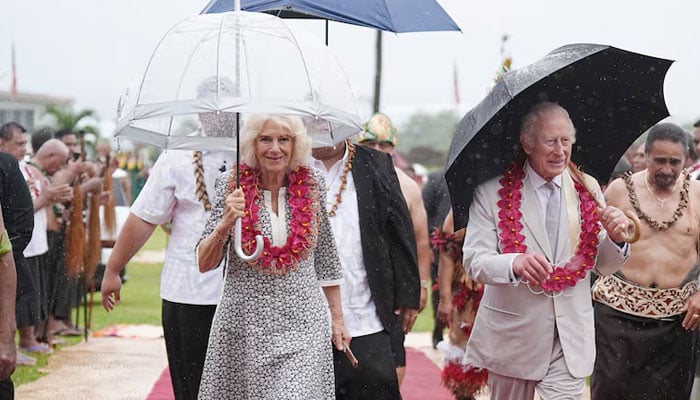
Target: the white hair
pixel 301 151
pixel 531 121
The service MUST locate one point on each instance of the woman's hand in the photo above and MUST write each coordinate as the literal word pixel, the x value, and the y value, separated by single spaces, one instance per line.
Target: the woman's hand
pixel 341 337
pixel 235 208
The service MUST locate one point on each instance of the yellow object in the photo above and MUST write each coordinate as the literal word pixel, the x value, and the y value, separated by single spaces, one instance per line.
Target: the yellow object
pixel 5 244
pixel 379 129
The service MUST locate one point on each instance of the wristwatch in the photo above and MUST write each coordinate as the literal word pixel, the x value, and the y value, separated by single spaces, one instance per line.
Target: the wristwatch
pixel 424 284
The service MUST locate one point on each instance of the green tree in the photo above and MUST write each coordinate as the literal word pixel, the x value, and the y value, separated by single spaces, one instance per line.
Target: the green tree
pixel 68 119
pixel 427 136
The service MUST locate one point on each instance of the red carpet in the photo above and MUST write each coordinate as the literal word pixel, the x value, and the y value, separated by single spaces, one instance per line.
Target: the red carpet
pixel 422 381
pixel 163 388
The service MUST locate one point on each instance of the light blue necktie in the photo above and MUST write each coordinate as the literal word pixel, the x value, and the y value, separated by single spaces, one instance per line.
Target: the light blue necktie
pixel 551 219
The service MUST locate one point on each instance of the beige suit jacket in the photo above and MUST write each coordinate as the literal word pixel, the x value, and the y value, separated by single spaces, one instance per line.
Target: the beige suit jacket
pixel 513 333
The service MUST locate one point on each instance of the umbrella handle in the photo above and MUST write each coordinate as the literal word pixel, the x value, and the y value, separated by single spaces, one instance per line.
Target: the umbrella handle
pixel 237 233
pixel 634 230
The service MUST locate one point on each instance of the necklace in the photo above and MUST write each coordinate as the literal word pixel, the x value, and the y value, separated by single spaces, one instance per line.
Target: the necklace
pixel 303 199
pixel 513 241
pixel 663 225
pixel 653 193
pixel 343 180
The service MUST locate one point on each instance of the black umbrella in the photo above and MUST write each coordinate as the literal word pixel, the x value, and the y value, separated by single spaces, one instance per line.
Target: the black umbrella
pixel 612 96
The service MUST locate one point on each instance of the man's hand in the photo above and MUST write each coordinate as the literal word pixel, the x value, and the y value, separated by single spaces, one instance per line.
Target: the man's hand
pixel 692 309
pixel 8 357
pixel 111 287
pixel 58 193
pixel 423 299
pixel 93 184
pixel 409 318
pixel 615 223
pixel 444 311
pixel 532 267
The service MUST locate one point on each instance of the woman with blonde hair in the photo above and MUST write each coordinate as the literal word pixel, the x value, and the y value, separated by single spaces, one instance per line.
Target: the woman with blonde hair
pixel 270 338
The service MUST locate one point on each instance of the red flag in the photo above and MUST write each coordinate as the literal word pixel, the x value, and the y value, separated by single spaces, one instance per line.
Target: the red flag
pixel 14 72
pixel 456 83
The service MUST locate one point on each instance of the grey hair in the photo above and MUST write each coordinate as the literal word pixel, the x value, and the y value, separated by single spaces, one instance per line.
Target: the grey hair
pixel 301 151
pixel 531 121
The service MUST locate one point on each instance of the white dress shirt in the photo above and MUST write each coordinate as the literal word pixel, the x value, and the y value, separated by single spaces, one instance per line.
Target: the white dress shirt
pixel 359 310
pixel 39 243
pixel 170 195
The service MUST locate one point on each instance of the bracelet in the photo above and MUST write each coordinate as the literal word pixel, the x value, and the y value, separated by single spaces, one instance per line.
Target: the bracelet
pixel 424 284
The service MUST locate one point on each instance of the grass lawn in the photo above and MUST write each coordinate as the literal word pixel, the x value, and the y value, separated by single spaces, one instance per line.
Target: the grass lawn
pixel 140 304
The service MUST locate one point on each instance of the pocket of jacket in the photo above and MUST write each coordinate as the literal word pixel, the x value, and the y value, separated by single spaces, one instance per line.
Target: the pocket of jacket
pixel 499 312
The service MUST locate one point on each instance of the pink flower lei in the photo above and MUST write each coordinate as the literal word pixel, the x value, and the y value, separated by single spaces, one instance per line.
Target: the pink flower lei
pixel 302 197
pixel 513 240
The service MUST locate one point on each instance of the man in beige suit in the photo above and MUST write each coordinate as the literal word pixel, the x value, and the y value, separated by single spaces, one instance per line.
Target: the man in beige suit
pixel 534 328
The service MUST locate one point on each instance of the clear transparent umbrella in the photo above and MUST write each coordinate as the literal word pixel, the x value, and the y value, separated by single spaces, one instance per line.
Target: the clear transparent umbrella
pixel 209 69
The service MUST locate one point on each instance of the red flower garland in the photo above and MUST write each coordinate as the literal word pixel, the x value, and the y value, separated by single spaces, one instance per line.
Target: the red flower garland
pixel 513 240
pixel 442 241
pixel 302 198
pixel 462 380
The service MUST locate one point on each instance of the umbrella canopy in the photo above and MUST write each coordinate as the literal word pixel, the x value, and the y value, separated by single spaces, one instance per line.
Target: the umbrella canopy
pixel 209 68
pixel 612 96
pixel 386 15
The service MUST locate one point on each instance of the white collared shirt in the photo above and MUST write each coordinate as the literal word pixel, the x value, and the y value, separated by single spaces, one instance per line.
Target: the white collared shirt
pixel 359 310
pixel 170 195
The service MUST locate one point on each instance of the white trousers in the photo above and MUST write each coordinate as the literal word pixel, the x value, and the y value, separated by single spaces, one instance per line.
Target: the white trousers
pixel 558 383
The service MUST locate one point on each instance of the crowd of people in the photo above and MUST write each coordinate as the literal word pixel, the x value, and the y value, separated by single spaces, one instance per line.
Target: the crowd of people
pixel 44 178
pixel 540 291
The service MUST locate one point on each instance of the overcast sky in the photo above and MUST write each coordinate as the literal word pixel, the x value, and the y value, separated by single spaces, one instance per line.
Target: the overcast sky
pixel 90 50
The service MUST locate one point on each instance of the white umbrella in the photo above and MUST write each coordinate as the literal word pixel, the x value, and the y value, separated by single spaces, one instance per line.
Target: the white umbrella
pixel 235 62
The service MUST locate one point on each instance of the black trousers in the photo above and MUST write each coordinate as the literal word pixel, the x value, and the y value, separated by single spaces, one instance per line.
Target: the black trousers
pixel 641 358
pixel 375 377
pixel 62 287
pixel 186 330
pixel 7 390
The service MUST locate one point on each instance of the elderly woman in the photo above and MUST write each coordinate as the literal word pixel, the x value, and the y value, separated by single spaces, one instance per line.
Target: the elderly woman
pixel 270 337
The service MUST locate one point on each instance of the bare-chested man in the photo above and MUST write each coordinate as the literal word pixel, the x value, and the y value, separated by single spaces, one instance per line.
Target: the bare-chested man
pixel 647 314
pixel 381 135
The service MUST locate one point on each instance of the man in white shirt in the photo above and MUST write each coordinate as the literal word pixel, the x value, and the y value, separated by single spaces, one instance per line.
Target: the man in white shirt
pixel 176 191
pixel 380 134
pixel 381 289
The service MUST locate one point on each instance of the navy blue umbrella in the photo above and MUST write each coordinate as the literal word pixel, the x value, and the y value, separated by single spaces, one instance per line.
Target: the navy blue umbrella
pixel 612 96
pixel 386 15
